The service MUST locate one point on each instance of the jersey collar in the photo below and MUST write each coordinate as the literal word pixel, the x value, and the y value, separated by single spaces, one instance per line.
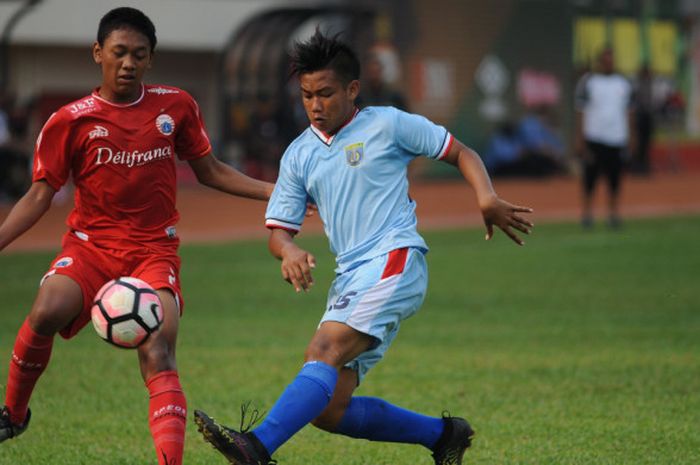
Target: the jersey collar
pixel 96 94
pixel 328 139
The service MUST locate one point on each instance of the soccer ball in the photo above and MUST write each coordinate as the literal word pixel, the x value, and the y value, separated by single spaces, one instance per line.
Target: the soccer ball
pixel 126 311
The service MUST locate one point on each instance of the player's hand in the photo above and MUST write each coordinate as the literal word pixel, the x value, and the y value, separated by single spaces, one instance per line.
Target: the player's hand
pixel 311 209
pixel 296 268
pixel 506 216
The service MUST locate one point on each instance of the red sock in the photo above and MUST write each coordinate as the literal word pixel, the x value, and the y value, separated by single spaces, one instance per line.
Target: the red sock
pixel 29 359
pixel 167 416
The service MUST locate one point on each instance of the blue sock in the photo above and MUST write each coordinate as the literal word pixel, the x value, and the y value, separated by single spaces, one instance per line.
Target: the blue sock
pixel 378 420
pixel 302 401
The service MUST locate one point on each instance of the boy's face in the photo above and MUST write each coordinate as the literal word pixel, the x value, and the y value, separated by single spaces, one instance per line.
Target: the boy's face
pixel 327 101
pixel 124 57
pixel 607 62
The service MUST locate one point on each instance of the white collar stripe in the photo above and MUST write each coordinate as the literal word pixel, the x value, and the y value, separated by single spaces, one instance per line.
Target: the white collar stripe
pixel 121 105
pixel 326 139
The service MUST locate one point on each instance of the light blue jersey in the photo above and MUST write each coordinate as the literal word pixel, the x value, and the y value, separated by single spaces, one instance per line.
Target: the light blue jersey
pixel 357 178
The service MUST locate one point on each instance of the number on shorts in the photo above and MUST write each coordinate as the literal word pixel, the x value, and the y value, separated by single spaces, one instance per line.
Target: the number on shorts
pixel 343 301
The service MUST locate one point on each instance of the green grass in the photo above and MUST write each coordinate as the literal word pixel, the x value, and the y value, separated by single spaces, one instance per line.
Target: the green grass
pixel 580 348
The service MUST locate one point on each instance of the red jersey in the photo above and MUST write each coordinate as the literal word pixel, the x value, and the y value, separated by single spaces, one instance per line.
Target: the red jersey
pixel 122 161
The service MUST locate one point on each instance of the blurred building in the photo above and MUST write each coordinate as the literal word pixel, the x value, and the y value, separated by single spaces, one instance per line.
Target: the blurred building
pixel 467 64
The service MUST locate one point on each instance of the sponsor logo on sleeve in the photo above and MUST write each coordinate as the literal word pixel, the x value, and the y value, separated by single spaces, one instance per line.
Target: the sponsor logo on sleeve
pixel 83 106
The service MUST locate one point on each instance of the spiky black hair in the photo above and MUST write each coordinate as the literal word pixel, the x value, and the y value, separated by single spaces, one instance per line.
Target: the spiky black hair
pixel 126 18
pixel 323 52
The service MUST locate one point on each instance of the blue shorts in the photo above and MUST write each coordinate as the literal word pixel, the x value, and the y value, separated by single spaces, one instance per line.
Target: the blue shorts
pixel 375 297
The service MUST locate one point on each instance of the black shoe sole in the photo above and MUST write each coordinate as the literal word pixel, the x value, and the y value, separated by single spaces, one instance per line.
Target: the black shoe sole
pixel 212 434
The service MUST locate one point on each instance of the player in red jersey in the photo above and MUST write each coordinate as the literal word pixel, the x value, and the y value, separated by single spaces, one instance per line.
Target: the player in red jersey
pixel 119 145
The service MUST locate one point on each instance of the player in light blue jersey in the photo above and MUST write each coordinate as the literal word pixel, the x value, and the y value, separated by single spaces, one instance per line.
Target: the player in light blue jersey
pixel 352 164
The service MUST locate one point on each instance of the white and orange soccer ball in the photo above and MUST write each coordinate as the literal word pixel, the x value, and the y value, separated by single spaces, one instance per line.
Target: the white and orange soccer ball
pixel 126 311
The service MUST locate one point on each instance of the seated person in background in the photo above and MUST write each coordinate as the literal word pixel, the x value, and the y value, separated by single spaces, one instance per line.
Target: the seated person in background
pixel 543 149
pixel 503 151
pixel 530 148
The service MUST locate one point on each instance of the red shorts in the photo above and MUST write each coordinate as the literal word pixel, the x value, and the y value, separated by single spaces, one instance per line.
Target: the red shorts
pixel 91 266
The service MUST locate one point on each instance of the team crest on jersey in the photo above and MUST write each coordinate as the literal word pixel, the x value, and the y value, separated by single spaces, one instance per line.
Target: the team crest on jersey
pixel 99 131
pixel 63 262
pixel 354 153
pixel 165 124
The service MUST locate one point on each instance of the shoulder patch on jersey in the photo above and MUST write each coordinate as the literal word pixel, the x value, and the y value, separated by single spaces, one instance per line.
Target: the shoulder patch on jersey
pixel 165 124
pixel 162 91
pixel 63 262
pixel 354 153
pixel 86 105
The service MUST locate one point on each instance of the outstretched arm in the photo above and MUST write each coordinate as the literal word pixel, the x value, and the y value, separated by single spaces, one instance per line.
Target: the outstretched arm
pixel 297 263
pixel 220 176
pixel 495 211
pixel 26 212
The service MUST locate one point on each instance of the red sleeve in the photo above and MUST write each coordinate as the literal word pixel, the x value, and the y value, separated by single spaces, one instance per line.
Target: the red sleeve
pixel 52 154
pixel 192 141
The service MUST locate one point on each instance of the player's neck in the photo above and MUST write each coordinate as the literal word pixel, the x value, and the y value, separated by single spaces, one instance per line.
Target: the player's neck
pixel 347 119
pixel 120 99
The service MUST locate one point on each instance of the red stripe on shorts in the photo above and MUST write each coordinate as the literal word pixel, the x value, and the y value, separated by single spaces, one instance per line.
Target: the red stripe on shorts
pixel 396 262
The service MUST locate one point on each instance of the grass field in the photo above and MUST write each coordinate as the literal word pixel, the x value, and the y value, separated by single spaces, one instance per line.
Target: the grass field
pixel 580 348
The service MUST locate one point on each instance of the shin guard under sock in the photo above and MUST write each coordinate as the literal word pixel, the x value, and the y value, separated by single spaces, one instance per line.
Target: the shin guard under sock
pixel 378 420
pixel 167 416
pixel 30 356
pixel 302 401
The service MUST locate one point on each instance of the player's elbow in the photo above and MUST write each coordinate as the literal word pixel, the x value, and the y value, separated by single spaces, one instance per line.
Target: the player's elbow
pixel 206 177
pixel 40 195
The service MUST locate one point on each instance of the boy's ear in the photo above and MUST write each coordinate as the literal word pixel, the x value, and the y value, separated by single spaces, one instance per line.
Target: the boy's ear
pixel 97 53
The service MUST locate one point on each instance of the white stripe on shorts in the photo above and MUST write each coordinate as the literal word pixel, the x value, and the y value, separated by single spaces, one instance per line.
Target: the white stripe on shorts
pixel 372 302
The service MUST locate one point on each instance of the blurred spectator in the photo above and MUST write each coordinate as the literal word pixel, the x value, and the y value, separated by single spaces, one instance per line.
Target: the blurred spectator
pixel 503 150
pixel 14 151
pixel 644 119
pixel 4 124
pixel 374 90
pixel 604 129
pixel 543 149
pixel 266 139
pixel 530 148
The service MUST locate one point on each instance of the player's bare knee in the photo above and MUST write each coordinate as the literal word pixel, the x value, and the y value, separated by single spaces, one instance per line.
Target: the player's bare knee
pixel 48 316
pixel 329 419
pixel 156 356
pixel 43 322
pixel 324 350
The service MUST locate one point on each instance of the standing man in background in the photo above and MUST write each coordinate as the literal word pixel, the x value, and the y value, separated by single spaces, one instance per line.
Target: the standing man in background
pixel 604 131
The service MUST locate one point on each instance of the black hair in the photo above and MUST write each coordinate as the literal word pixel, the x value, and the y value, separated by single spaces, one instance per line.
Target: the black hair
pixel 126 18
pixel 323 52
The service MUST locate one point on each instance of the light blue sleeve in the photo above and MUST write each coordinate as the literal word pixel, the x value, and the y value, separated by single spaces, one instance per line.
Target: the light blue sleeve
pixel 287 205
pixel 418 135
